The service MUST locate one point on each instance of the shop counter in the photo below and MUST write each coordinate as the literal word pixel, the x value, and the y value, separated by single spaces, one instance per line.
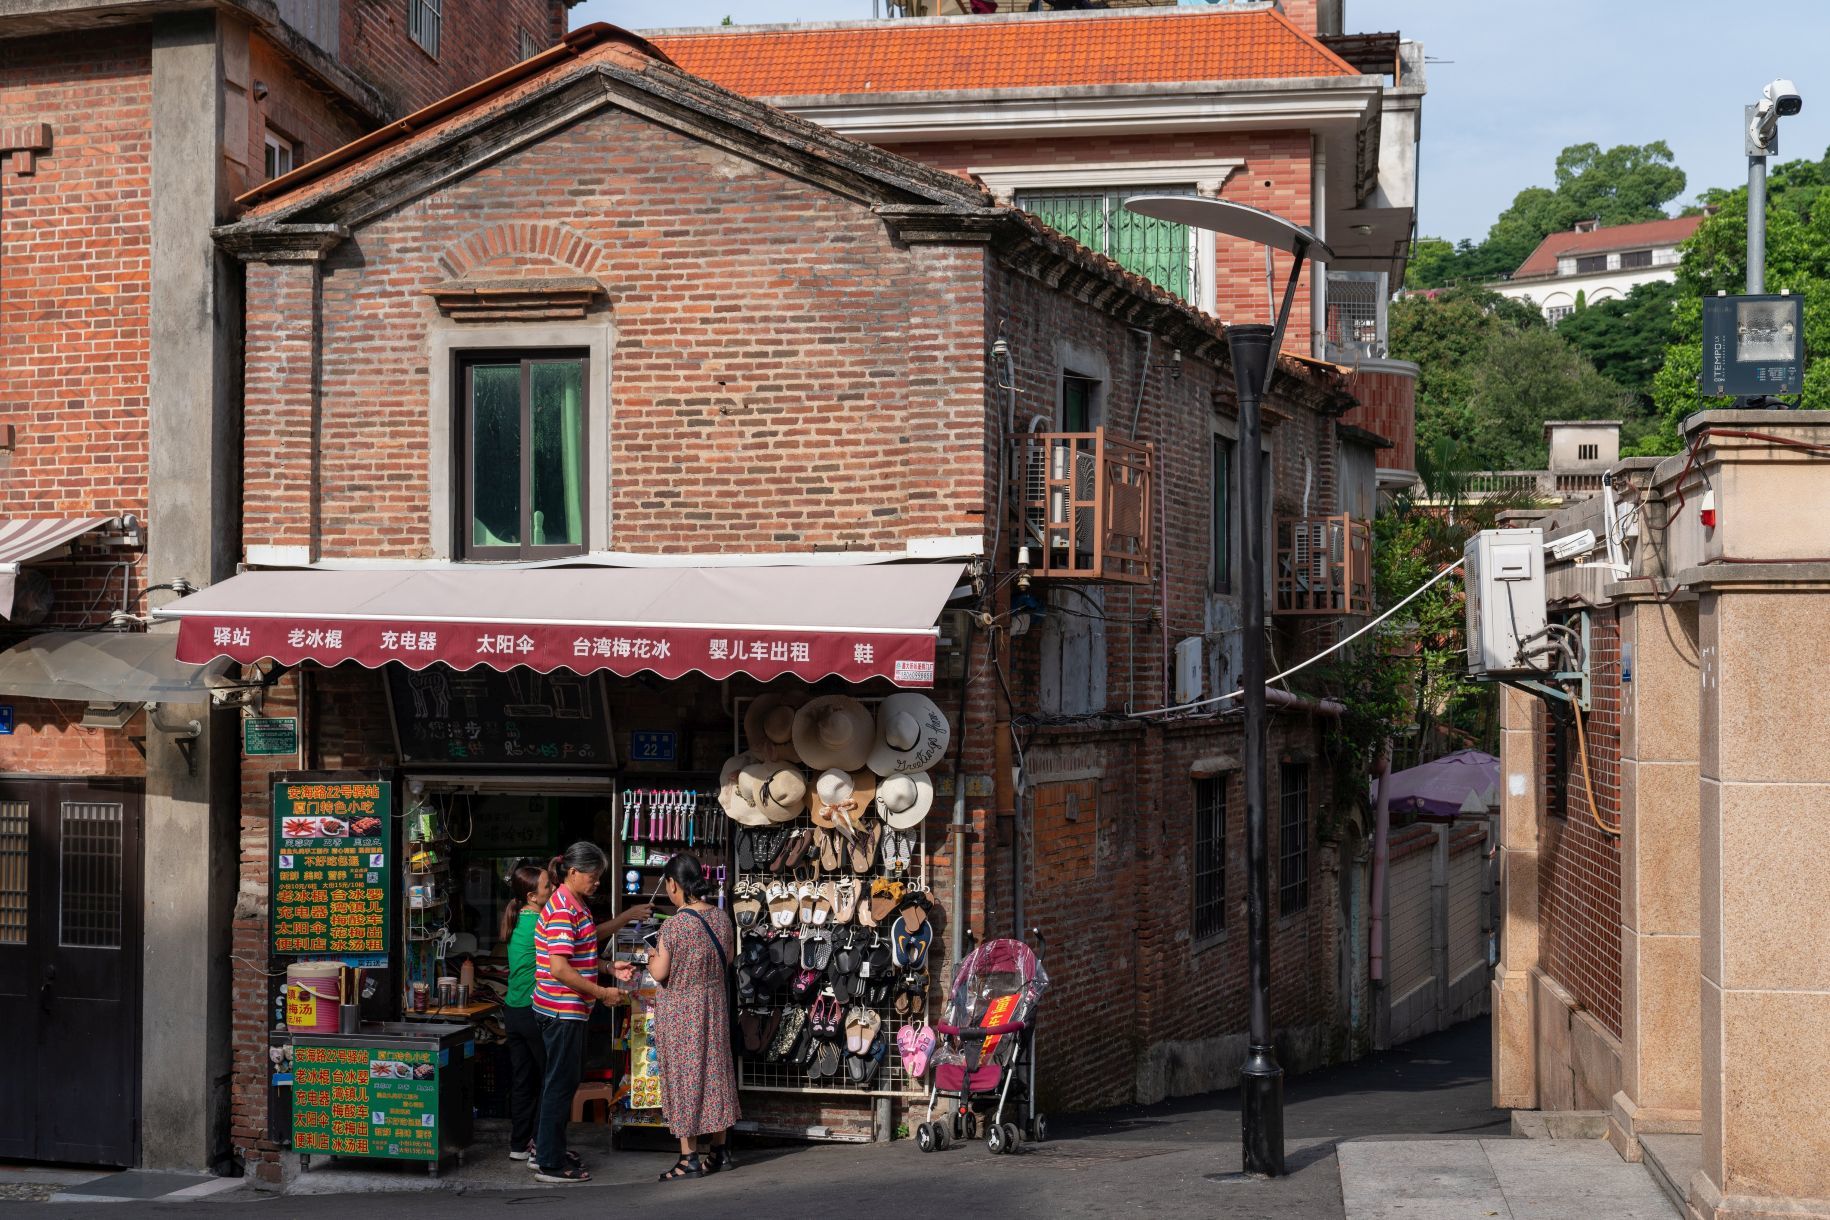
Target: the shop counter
pixel 394 1090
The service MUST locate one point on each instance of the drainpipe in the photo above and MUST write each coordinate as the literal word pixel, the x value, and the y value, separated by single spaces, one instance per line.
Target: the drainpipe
pixel 1331 708
pixel 956 930
pixel 1382 835
pixel 1016 860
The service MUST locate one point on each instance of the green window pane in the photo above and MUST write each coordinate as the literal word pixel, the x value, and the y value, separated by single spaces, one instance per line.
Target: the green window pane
pixel 1155 249
pixel 495 454
pixel 558 467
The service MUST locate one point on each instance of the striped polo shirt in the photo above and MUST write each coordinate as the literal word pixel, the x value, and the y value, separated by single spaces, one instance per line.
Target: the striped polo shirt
pixel 565 928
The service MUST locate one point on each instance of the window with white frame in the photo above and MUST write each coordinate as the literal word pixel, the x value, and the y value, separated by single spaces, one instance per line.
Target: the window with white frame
pixel 424 18
pixel 279 154
pixel 1159 250
pixel 1554 314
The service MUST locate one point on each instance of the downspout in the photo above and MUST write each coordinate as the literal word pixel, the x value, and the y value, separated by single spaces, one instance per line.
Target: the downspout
pixel 1382 834
pixel 1334 709
pixel 956 930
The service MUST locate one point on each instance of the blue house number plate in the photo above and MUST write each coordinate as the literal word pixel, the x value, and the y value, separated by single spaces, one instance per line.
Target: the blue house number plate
pixel 653 746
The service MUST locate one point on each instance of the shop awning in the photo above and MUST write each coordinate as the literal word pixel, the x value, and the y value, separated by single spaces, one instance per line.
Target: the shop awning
pixel 104 667
pixel 23 538
pixel 874 621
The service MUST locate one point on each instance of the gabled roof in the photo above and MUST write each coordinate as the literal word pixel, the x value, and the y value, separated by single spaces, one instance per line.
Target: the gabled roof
pixel 1645 234
pixel 1019 51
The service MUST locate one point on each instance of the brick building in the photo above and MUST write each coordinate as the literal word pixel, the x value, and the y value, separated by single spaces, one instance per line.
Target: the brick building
pixel 127 130
pixel 1067 113
pixel 809 373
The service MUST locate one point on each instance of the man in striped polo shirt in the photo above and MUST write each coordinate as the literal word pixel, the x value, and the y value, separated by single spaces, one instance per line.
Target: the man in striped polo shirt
pixel 565 987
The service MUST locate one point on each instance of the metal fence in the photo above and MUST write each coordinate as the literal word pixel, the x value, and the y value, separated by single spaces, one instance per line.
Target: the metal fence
pixel 1356 316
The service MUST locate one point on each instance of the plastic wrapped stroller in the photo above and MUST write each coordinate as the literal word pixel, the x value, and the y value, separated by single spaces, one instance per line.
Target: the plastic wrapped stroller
pixel 988 1055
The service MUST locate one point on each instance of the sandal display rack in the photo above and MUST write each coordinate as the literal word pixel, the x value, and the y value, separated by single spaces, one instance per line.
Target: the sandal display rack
pixel 757 1074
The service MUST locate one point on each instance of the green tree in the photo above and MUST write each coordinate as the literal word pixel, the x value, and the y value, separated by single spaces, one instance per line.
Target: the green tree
pixel 1620 185
pixel 1522 378
pixel 1626 338
pixel 1715 260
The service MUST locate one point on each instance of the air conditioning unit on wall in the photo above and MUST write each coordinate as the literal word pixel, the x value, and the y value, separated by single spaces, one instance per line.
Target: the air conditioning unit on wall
pixel 1504 575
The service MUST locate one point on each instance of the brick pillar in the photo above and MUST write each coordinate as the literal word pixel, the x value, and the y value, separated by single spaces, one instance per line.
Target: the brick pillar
pixel 1660 1065
pixel 1515 1068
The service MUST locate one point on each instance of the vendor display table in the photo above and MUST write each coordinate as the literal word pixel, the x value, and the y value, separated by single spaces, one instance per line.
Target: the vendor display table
pixel 392 1091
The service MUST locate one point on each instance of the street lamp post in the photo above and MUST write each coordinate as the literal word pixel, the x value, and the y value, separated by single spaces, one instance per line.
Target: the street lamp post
pixel 1254 352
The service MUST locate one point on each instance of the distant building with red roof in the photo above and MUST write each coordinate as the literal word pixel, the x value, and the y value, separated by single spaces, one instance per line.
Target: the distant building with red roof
pixel 1597 262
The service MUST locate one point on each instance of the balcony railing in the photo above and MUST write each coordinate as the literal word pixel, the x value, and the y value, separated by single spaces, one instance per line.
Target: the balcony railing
pixel 1084 507
pixel 1324 565
pixel 1356 324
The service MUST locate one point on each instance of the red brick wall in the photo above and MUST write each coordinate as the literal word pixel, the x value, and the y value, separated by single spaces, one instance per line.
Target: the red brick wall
pixel 1301 14
pixel 1579 865
pixel 1276 176
pixel 1387 405
pixel 75 256
pixel 806 369
pixel 478 38
pixel 293 107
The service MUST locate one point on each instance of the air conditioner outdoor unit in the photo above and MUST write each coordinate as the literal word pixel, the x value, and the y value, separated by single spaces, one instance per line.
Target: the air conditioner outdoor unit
pixel 1504 574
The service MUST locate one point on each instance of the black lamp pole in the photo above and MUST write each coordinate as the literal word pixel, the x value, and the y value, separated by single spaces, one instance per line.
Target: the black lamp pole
pixel 1261 1083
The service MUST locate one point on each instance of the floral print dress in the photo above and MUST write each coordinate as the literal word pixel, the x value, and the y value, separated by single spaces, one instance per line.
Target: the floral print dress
pixel 692 1026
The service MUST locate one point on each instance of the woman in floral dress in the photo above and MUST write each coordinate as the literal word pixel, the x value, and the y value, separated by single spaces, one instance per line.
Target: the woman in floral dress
pixel 692 1020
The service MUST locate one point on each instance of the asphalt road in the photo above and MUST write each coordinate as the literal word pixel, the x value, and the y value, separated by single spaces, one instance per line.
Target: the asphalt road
pixel 1179 1158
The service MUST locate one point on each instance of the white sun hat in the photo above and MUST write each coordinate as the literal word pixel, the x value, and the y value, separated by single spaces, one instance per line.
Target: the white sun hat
pixel 754 792
pixel 912 734
pixel 833 732
pixel 905 798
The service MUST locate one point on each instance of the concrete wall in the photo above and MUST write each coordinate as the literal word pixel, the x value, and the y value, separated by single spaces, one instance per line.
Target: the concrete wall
pixel 1436 970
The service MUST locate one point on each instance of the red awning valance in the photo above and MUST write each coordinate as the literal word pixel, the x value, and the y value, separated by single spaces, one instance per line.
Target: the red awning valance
pixel 874 621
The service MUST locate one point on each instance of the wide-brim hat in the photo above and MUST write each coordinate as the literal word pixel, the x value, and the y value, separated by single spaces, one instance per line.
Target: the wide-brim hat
pixel 730 800
pixel 912 734
pixel 768 726
pixel 904 799
pixel 840 799
pixel 834 732
pixel 757 792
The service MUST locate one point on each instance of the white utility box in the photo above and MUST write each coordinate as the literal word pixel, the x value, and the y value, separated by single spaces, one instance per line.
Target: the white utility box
pixel 1504 575
pixel 1191 667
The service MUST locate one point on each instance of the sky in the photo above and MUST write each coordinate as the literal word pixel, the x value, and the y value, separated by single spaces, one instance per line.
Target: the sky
pixel 1514 83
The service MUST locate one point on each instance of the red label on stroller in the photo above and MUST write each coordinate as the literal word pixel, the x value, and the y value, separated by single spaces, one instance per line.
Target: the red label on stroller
pixel 999 1013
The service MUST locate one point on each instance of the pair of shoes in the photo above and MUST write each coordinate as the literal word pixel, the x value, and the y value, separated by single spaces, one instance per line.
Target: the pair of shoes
pixel 915 1046
pixel 573 1160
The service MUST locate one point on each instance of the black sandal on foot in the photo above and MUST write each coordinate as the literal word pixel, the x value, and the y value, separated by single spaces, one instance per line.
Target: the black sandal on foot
pixel 719 1156
pixel 687 1166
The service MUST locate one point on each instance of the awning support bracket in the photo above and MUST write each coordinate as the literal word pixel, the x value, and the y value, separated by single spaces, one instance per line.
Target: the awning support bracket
pixel 184 735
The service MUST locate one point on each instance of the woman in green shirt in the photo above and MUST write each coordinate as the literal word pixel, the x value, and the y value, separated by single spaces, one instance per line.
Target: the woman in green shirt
pixel 529 887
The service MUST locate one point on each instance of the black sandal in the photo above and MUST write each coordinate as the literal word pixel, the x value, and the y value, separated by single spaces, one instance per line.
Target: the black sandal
pixel 719 1156
pixel 687 1166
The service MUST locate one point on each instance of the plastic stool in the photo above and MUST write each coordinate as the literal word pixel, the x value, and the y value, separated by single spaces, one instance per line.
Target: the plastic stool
pixel 592 1091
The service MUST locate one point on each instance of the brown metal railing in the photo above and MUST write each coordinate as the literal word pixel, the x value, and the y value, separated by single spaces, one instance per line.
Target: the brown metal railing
pixel 1324 565
pixel 1084 506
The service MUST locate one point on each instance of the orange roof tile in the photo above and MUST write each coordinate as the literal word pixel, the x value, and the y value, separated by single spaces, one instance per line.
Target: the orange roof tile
pixel 1543 260
pixel 1010 53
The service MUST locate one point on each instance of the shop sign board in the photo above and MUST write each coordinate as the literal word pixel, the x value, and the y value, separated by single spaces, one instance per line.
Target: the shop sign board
pixel 269 736
pixel 654 746
pixel 378 1100
pixel 478 717
pixel 331 868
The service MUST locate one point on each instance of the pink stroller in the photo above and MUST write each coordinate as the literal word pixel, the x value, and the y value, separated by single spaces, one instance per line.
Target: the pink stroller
pixel 989 1048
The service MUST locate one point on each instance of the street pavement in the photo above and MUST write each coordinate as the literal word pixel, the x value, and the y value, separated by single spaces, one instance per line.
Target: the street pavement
pixel 1177 1158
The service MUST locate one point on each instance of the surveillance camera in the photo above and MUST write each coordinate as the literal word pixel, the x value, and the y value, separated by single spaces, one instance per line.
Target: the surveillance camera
pixel 1783 96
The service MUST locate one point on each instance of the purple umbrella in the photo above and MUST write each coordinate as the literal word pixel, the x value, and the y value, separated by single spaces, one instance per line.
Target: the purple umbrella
pixel 1441 787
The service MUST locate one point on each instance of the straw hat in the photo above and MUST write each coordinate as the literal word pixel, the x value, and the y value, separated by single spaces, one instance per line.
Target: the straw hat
pixel 841 798
pixel 758 793
pixel 768 725
pixel 905 798
pixel 833 731
pixel 912 734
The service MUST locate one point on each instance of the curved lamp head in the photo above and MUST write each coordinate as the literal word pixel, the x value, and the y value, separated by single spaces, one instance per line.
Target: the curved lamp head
pixel 1234 220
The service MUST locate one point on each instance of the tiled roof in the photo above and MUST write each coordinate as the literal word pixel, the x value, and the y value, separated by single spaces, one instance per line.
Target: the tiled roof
pixel 1018 52
pixel 1644 235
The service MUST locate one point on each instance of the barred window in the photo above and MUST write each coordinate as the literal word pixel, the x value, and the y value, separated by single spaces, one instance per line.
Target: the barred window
pixel 1293 854
pixel 423 20
pixel 1159 250
pixel 1210 856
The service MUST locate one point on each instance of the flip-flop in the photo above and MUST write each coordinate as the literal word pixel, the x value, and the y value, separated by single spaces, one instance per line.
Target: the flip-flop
pixel 816 949
pixel 832 848
pixel 845 900
pixel 783 905
pixel 805 893
pixel 854 1030
pixel 747 907
pixel 828 1061
pixel 871 1062
pixel 864 848
pixel 920 1050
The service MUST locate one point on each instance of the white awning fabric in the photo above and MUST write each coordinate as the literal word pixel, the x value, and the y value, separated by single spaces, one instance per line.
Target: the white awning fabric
pixel 104 667
pixel 23 538
pixel 857 622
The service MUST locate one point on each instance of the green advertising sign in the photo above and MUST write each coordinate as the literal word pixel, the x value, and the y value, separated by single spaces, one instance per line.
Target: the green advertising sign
pixel 355 1100
pixel 330 866
pixel 270 736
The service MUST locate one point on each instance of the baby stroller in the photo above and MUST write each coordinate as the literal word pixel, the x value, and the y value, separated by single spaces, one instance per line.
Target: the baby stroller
pixel 989 1048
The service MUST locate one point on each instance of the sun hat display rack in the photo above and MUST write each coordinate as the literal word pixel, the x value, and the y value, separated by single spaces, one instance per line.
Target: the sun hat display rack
pixel 832 746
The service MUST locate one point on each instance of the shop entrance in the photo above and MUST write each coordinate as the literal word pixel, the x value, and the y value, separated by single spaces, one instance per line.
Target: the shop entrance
pixel 70 970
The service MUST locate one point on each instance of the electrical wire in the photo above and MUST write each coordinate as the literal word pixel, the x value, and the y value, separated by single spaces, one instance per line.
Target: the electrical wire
pixel 1302 665
pixel 1588 784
